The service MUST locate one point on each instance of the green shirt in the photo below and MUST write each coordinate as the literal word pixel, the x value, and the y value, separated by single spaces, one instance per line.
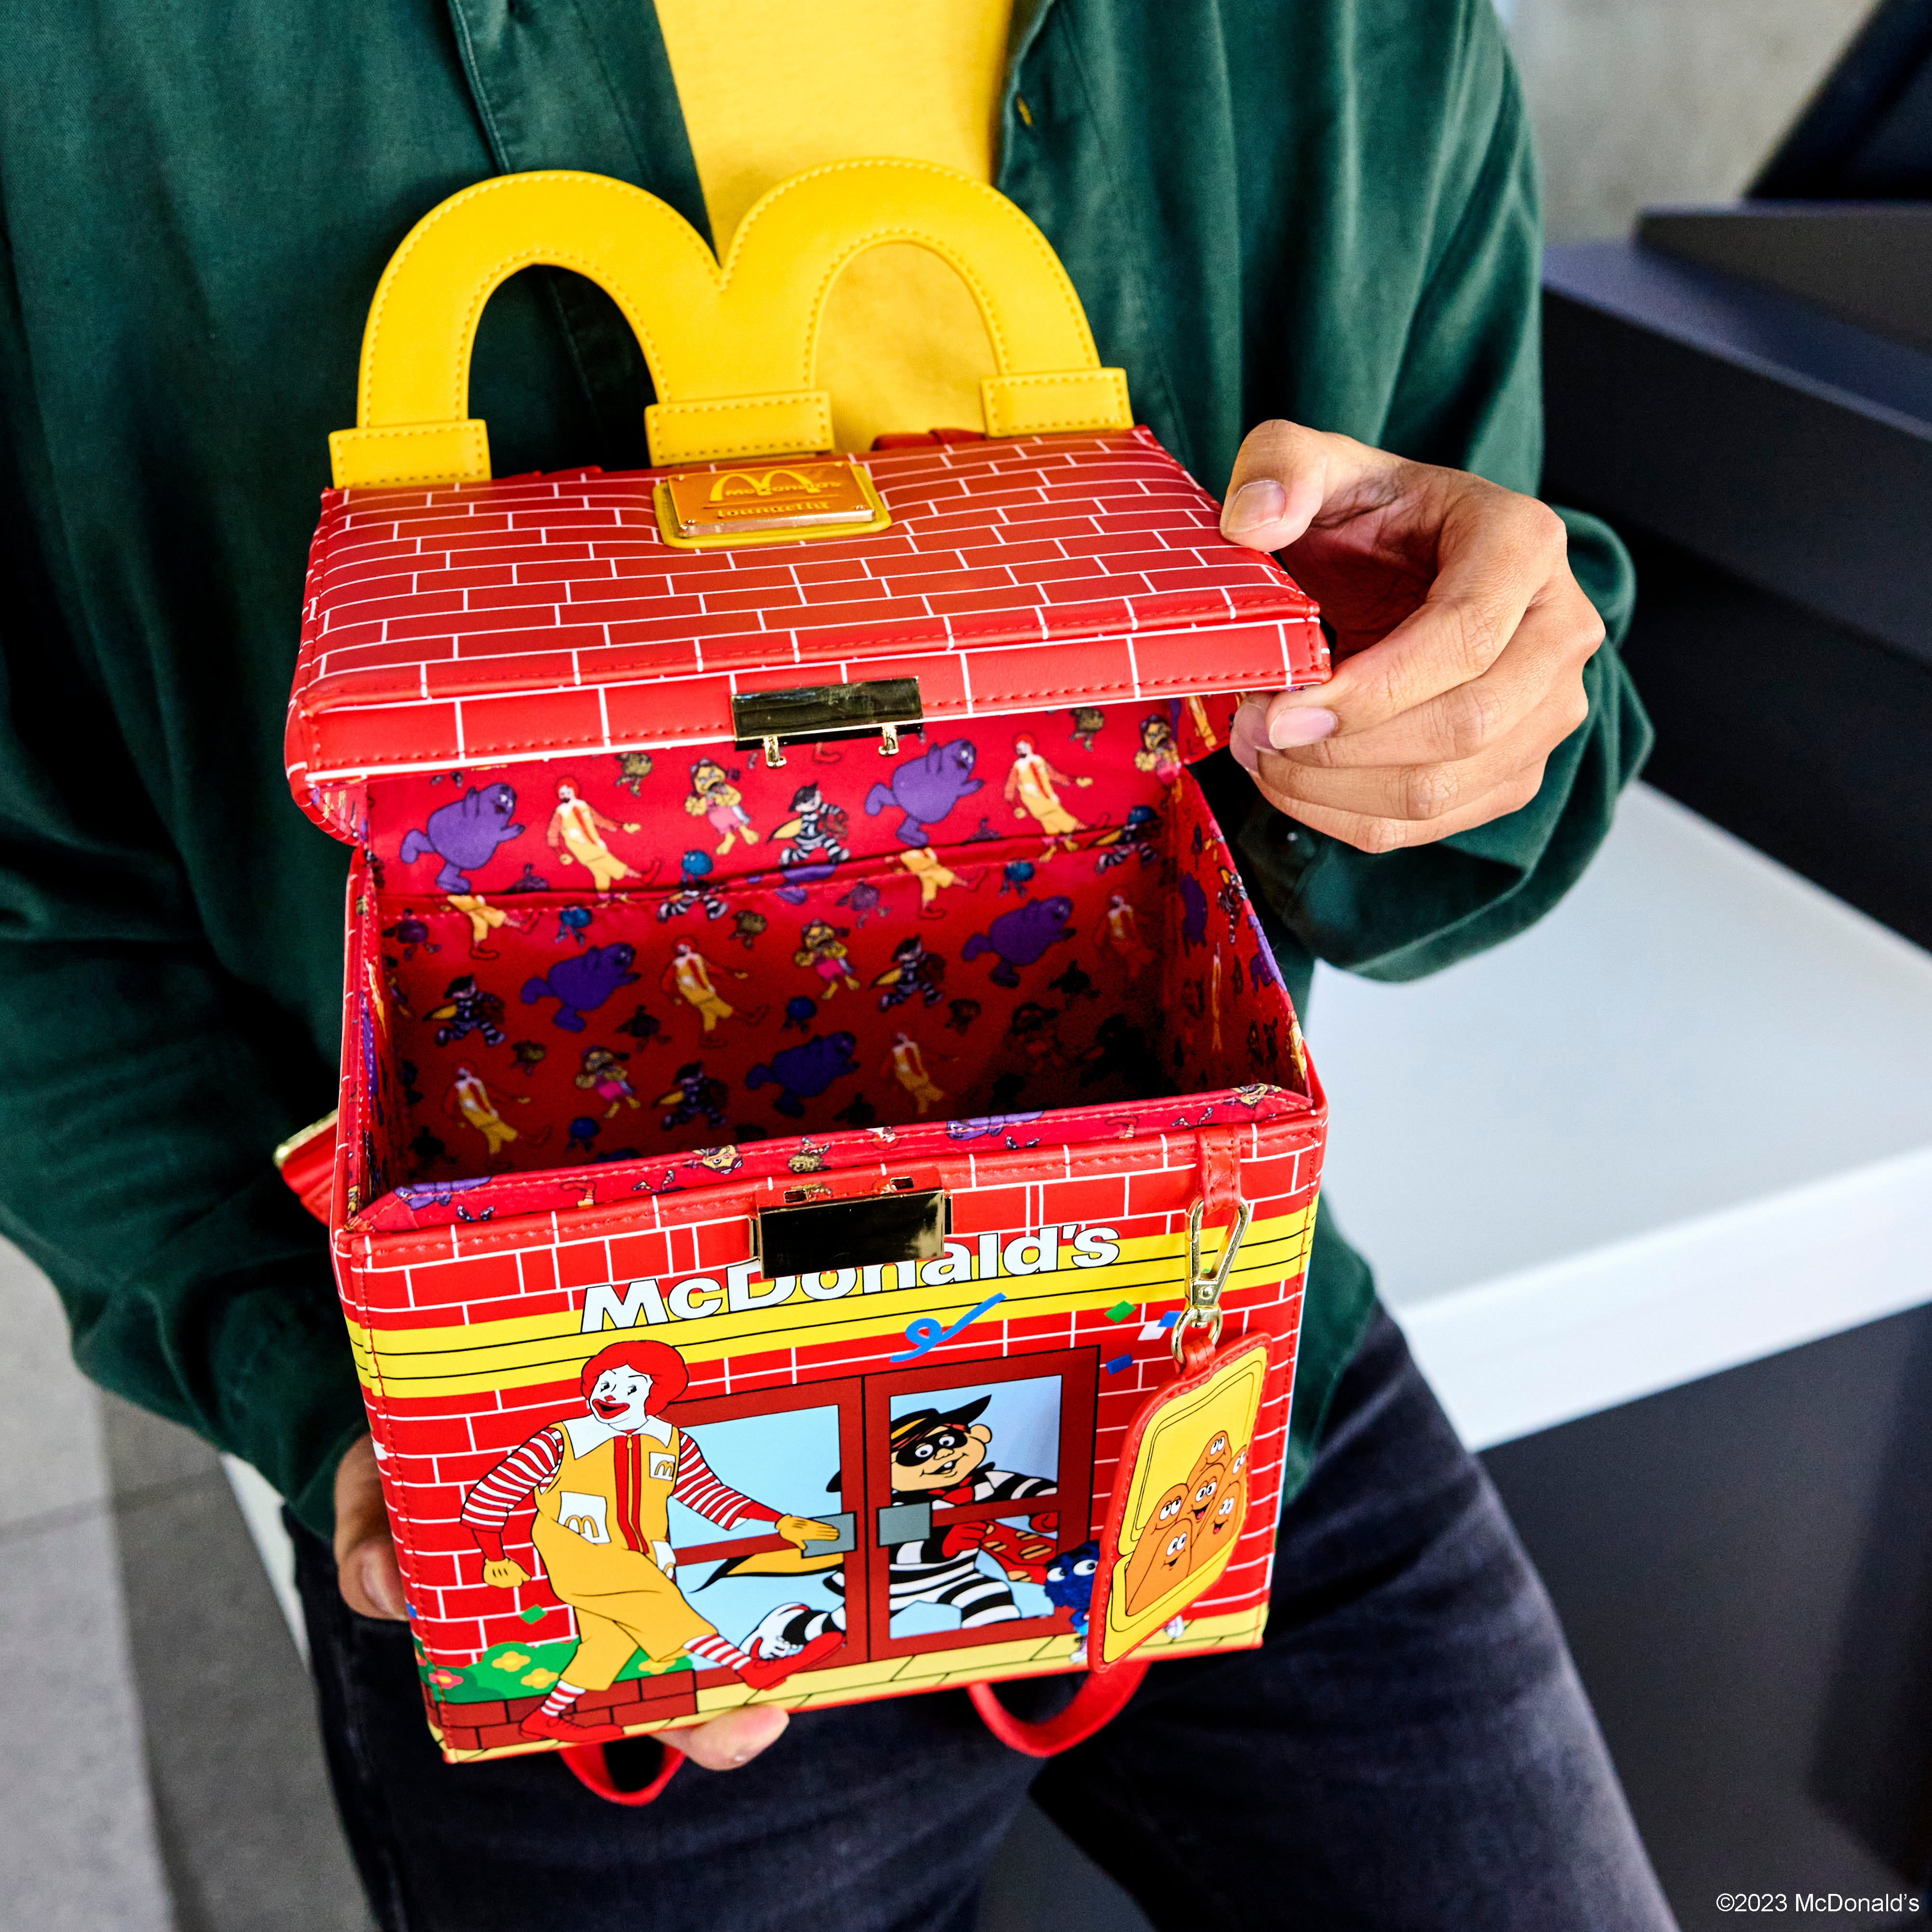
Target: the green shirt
pixel 1321 209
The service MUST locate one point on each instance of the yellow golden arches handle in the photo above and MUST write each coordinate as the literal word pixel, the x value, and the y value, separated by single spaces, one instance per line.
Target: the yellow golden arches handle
pixel 730 350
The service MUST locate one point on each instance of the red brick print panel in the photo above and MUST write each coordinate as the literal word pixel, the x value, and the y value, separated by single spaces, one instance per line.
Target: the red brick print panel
pixel 490 581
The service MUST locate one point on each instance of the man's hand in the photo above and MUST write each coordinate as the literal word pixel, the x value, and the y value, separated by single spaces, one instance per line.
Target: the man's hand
pixel 800 1530
pixel 1460 640
pixel 371 1582
pixel 507 1575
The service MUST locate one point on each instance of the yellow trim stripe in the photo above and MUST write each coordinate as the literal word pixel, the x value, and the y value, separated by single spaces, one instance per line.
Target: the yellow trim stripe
pixel 526 1350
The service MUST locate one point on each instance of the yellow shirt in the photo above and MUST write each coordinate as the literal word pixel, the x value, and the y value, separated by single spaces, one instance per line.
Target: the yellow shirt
pixel 770 88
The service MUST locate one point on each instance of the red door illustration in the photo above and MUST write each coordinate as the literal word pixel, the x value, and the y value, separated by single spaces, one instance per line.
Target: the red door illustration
pixel 977 1474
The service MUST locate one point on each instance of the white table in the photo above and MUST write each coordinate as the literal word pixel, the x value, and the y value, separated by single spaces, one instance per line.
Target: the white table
pixel 1685 1122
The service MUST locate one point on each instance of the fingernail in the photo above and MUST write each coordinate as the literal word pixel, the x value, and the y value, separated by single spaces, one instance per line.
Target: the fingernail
pixel 1301 727
pixel 1250 727
pixel 1254 504
pixel 379 1586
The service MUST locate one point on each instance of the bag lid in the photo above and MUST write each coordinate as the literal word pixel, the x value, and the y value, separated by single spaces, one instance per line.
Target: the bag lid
pixel 449 619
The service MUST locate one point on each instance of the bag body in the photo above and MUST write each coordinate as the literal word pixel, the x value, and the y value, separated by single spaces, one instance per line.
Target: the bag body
pixel 809 1064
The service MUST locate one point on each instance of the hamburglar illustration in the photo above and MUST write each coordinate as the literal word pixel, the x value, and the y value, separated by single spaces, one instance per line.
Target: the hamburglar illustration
pixel 914 970
pixel 690 975
pixel 576 835
pixel 813 850
pixel 1030 790
pixel 940 1459
pixel 467 1008
pixel 602 1484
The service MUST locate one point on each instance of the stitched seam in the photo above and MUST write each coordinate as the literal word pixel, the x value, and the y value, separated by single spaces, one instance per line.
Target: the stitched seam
pixel 1284 1133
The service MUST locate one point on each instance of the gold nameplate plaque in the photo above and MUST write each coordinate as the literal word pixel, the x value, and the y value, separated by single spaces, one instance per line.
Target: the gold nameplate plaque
pixel 780 502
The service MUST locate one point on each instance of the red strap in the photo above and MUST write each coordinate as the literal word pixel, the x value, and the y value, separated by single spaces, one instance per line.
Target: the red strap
pixel 587 1764
pixel 306 1162
pixel 1097 1702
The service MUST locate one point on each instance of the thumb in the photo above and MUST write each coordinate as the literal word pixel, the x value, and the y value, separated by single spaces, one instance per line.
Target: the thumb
pixel 1285 475
pixel 366 1569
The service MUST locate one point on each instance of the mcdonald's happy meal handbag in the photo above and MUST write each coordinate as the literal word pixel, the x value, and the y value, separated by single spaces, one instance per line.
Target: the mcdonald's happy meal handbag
pixel 826 1162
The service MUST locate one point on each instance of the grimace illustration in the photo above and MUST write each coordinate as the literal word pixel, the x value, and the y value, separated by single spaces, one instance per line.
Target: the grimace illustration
pixel 926 788
pixel 1194 912
pixel 581 984
pixel 803 1072
pixel 464 834
pixel 600 1484
pixel 1020 937
pixel 864 899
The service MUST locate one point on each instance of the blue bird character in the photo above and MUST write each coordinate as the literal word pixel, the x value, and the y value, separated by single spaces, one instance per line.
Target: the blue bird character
pixel 1068 1582
pixel 696 890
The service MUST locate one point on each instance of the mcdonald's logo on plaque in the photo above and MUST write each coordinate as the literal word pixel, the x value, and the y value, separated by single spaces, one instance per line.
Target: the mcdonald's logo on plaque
pixel 705 509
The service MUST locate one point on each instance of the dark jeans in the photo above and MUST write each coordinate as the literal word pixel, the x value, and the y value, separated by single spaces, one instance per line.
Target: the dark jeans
pixel 1411 1747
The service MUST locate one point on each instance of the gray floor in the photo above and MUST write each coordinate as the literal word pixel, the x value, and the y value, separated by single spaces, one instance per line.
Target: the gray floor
pixel 163 1772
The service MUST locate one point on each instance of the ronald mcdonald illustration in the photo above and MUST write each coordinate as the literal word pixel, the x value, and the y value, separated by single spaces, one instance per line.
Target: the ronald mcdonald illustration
pixel 576 835
pixel 1031 790
pixel 689 977
pixel 469 1100
pixel 602 1484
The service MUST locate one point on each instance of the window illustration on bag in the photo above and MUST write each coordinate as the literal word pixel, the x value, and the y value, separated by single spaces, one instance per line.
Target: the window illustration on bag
pixel 623 1463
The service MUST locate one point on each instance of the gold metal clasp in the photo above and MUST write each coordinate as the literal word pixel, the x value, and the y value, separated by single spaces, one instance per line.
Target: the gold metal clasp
pixel 1203 1290
pixel 777 502
pixel 769 720
pixel 907 1224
